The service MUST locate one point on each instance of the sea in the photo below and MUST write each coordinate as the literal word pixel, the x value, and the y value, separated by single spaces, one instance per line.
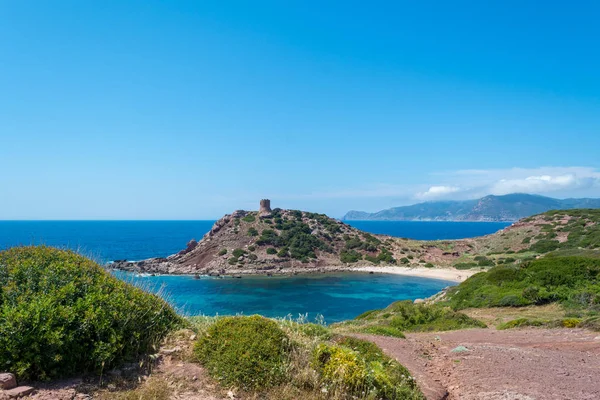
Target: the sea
pixel 328 297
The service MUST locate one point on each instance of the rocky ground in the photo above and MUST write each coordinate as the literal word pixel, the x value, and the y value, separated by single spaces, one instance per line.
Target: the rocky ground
pixel 474 364
pixel 486 364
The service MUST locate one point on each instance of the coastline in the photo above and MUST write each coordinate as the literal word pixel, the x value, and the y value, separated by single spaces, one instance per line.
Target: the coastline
pixel 446 274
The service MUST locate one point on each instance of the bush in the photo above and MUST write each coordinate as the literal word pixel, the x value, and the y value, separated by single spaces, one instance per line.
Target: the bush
pixel 544 246
pixel 222 252
pixel 465 265
pixel 283 253
pixel 252 231
pixel 350 256
pixel 249 218
pixel 248 352
pixel 429 265
pixel 61 314
pixel 238 253
pixel 356 367
pixel 573 281
pixel 271 250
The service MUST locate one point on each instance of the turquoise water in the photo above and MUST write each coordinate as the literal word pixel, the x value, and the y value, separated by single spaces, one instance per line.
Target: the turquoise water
pixel 336 297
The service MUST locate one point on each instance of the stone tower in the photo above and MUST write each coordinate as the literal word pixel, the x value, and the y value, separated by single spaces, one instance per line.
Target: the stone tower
pixel 265 207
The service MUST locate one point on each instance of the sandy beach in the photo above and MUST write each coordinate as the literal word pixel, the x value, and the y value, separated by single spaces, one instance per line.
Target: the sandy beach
pixel 447 274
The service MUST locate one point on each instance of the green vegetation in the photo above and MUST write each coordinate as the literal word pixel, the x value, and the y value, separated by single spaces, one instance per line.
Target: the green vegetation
pixel 350 256
pixel 252 231
pixel 222 252
pixel 249 218
pixel 572 281
pixel 248 352
pixel 465 265
pixel 296 237
pixel 405 316
pixel 271 250
pixel 61 314
pixel 356 367
pixel 303 360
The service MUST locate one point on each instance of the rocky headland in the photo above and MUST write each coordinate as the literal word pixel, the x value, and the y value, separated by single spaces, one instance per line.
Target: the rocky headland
pixel 290 241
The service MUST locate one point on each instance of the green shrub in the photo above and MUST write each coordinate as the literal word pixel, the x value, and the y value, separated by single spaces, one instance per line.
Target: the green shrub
pixel 372 259
pixel 544 246
pixel 429 265
pixel 237 253
pixel 248 352
pixel 251 248
pixel 283 253
pixel 384 330
pixel 520 322
pixel 428 317
pixel 350 256
pixel 271 250
pixel 252 231
pixel 465 265
pixel 359 368
pixel 249 218
pixel 573 281
pixel 61 314
pixel 222 252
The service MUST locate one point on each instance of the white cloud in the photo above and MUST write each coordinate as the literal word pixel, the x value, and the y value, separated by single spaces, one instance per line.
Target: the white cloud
pixel 436 192
pixel 540 184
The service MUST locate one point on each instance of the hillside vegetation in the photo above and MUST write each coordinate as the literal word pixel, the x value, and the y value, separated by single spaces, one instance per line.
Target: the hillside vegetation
pixel 61 314
pixel 289 241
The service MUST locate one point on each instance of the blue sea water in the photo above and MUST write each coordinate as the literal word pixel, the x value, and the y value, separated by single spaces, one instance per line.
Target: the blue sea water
pixel 335 296
pixel 137 240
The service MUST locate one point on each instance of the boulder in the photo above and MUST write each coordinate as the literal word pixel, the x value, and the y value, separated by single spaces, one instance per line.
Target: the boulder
pixel 419 301
pixel 7 381
pixel 20 391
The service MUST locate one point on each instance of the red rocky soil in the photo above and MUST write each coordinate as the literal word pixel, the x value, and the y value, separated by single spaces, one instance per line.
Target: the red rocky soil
pixel 518 364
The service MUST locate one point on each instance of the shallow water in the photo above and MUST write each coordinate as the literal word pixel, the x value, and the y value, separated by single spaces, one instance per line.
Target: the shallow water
pixel 336 297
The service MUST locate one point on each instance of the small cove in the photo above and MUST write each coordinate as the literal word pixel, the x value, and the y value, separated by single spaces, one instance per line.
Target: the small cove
pixel 336 297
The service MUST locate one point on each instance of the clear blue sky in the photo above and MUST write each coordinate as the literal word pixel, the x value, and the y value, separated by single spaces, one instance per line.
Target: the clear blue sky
pixel 191 109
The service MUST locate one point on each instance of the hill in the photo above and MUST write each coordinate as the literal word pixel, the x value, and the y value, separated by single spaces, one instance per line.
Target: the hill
pixel 510 207
pixel 292 241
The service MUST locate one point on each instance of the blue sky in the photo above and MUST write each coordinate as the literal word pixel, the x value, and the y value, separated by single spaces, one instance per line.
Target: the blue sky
pixel 189 110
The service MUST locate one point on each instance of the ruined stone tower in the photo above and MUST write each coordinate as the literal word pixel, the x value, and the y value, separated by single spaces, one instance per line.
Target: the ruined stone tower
pixel 265 207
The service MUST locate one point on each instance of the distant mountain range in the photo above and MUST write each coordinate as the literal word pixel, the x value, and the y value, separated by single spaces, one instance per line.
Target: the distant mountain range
pixel 510 207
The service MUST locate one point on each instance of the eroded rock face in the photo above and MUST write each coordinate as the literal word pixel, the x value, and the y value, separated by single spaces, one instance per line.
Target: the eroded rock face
pixel 7 381
pixel 191 245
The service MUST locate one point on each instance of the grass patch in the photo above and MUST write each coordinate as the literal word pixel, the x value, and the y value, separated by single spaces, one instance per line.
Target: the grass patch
pixel 405 316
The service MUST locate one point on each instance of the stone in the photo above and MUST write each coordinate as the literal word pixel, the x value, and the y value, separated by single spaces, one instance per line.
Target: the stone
pixel 7 381
pixel 419 301
pixel 20 391
pixel 460 349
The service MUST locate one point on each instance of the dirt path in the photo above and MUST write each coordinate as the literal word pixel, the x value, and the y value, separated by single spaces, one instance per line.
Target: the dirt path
pixel 521 364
